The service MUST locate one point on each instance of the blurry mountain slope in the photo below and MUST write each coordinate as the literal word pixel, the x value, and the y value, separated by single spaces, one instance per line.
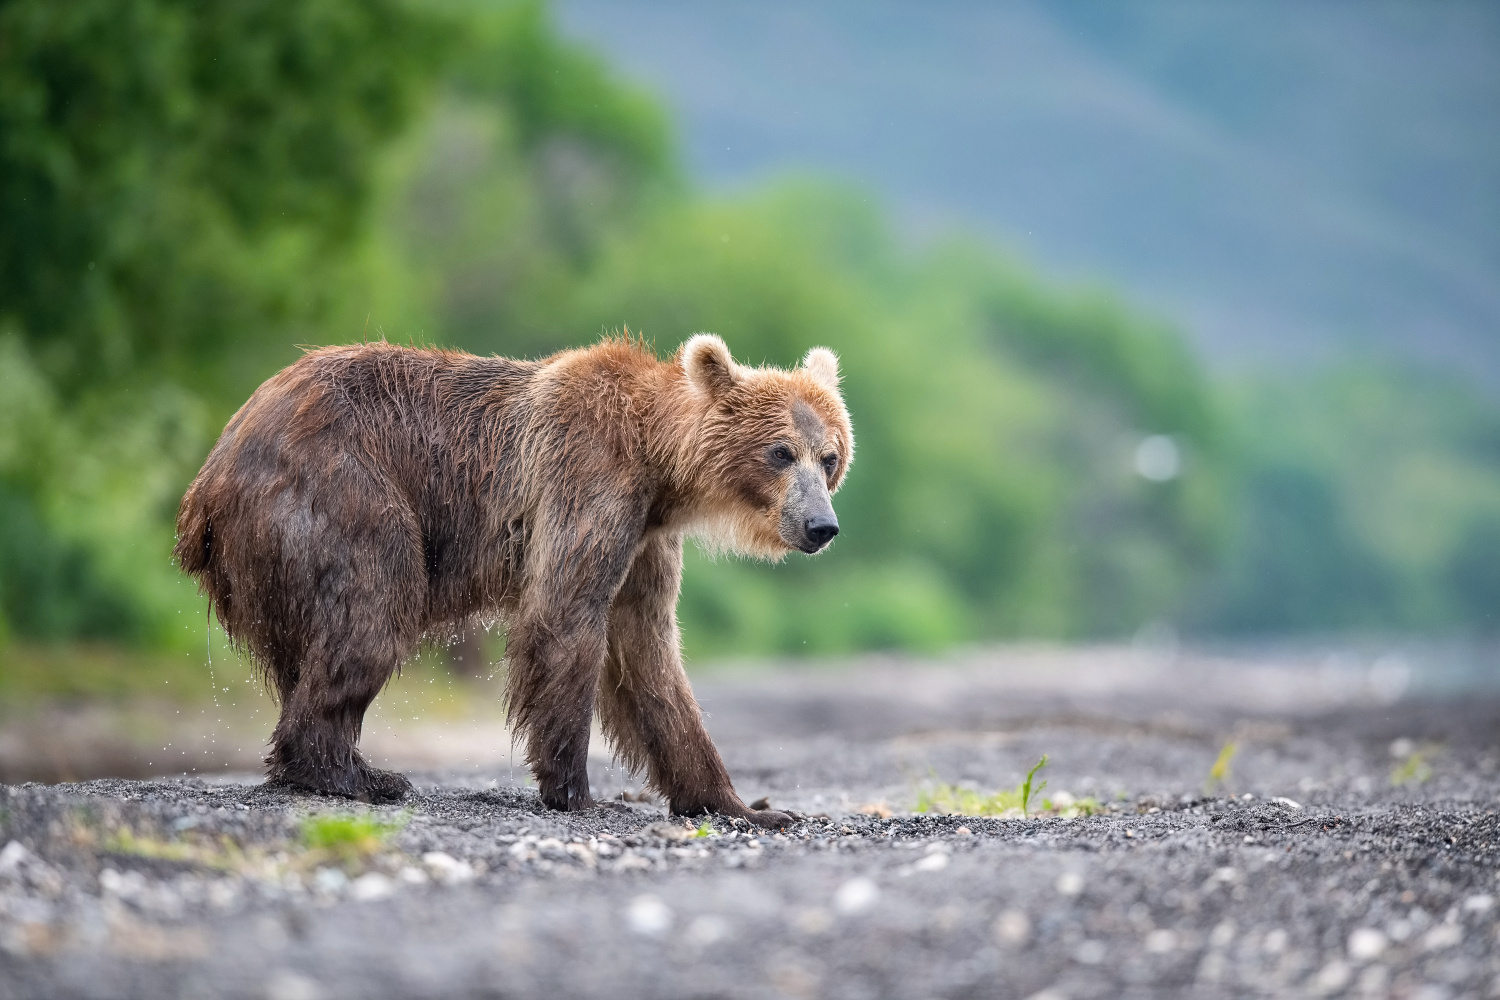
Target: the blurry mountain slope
pixel 1287 180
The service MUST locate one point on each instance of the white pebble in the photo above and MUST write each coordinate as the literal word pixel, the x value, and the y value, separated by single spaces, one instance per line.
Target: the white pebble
pixel 1012 928
pixel 13 856
pixel 1090 953
pixel 1442 936
pixel 1367 944
pixel 1070 883
pixel 371 886
pixel 285 984
pixel 648 915
pixel 412 876
pixel 447 869
pixel 934 862
pixel 1161 941
pixel 1481 903
pixel 330 880
pixel 856 896
pixel 707 929
pixel 1332 978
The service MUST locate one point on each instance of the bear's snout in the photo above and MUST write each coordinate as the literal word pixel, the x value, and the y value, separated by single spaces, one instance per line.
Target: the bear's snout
pixel 820 529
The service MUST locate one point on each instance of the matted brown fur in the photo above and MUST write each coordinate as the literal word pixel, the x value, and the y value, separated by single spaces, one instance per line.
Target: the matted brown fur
pixel 368 496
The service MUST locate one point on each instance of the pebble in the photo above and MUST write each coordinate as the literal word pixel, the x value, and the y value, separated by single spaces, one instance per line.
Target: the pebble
pixel 1442 937
pixel 447 869
pixel 856 896
pixel 648 915
pixel 1366 944
pixel 330 880
pixel 1012 928
pixel 1070 883
pixel 371 886
pixel 285 984
pixel 707 929
pixel 1332 977
pixel 1161 941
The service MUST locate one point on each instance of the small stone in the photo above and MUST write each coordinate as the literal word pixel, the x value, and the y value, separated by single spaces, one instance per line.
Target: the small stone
pixel 1332 978
pixel 1012 928
pixel 934 862
pixel 1366 944
pixel 878 809
pixel 330 880
pixel 814 921
pixel 1161 941
pixel 1090 953
pixel 13 856
pixel 707 929
pixel 447 869
pixel 1222 934
pixel 371 886
pixel 648 915
pixel 285 984
pixel 1481 903
pixel 855 896
pixel 1442 937
pixel 1275 942
pixel 964 831
pixel 1070 883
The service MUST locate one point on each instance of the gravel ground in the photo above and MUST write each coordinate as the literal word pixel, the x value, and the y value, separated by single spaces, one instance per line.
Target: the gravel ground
pixel 1306 872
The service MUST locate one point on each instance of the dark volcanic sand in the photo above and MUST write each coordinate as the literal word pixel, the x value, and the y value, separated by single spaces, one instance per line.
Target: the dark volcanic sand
pixel 1307 874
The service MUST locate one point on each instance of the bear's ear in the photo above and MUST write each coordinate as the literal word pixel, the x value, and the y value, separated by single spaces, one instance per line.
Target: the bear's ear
pixel 823 365
pixel 709 367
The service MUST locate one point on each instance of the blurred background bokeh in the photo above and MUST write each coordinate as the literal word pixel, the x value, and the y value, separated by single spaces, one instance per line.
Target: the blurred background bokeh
pixel 1160 323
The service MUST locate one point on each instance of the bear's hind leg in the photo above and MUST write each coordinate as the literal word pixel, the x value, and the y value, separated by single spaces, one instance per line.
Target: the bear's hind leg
pixel 358 589
pixel 315 744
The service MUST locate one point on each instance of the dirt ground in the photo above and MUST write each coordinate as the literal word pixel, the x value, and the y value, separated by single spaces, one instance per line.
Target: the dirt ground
pixel 1350 848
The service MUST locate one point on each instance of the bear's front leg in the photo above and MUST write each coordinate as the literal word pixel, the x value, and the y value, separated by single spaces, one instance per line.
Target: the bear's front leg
pixel 554 672
pixel 647 707
pixel 555 647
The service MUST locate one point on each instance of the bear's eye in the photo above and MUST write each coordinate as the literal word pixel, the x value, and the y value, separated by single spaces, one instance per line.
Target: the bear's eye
pixel 830 463
pixel 781 455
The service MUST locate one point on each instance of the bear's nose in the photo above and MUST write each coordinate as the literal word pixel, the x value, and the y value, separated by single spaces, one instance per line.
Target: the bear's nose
pixel 821 529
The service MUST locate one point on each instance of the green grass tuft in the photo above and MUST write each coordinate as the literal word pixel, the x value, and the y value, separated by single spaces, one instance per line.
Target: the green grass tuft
pixel 349 838
pixel 955 801
pixel 1218 774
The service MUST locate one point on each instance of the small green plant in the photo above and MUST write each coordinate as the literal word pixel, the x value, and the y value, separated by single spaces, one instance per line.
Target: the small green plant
pixel 1026 785
pixel 220 853
pixel 953 800
pixel 1414 767
pixel 1218 775
pixel 1068 807
pixel 347 838
pixel 705 829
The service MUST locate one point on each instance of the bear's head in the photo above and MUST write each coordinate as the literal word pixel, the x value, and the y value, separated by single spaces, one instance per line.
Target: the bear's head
pixel 770 449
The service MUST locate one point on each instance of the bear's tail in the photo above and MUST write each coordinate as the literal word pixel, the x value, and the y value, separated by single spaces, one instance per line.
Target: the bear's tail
pixel 194 550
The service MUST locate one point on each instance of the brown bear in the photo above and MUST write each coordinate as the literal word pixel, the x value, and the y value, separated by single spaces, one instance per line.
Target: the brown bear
pixel 371 495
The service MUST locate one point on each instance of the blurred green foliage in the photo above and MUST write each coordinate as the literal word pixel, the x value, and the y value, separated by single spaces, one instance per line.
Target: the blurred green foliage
pixel 189 191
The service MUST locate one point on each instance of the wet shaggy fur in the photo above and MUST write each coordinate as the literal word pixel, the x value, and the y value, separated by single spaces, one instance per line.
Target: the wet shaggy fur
pixel 368 496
